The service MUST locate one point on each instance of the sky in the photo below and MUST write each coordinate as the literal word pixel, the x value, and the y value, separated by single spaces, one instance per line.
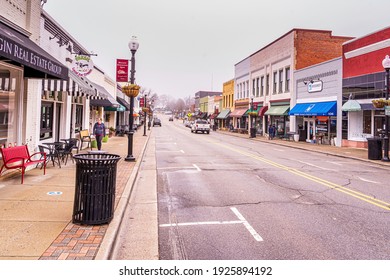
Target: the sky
pixel 186 46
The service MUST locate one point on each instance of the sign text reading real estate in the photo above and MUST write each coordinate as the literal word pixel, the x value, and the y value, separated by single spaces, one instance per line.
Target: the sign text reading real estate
pixel 26 56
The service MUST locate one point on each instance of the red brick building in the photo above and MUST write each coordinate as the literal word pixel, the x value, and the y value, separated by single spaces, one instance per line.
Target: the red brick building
pixel 363 81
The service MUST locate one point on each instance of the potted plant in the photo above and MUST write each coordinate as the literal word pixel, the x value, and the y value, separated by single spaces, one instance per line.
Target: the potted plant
pixel 111 131
pixel 380 103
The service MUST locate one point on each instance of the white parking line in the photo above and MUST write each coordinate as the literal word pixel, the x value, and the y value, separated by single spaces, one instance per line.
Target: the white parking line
pixel 320 167
pixel 252 231
pixel 241 220
pixel 368 181
pixel 197 168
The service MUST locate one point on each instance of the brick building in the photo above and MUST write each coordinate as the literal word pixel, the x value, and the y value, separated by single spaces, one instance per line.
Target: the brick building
pixel 267 75
pixel 363 81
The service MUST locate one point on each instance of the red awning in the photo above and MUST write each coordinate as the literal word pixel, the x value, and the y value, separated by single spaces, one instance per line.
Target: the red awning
pixel 263 110
pixel 237 113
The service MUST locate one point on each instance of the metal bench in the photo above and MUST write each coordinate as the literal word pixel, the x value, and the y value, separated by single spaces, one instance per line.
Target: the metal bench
pixel 85 137
pixel 18 157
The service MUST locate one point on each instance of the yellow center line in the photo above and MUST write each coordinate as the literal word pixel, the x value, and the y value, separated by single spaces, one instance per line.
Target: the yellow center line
pixel 333 186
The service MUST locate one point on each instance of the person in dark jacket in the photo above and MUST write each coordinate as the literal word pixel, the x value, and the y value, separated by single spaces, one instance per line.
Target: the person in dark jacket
pixel 99 130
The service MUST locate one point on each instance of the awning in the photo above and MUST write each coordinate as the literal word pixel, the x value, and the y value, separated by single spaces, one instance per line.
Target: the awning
pixel 315 109
pixel 19 48
pixel 278 110
pixel 238 113
pixel 123 102
pixel 359 105
pixel 263 110
pixel 115 109
pixel 75 85
pixel 224 114
pixel 351 106
pixel 107 98
pixel 213 116
pixel 252 111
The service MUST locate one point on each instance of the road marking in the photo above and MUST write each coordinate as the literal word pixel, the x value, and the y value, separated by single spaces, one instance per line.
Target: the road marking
pixel 202 223
pixel 279 150
pixel 251 230
pixel 197 168
pixel 368 181
pixel 335 163
pixel 170 151
pixel 182 151
pixel 361 196
pixel 241 220
pixel 175 167
pixel 323 168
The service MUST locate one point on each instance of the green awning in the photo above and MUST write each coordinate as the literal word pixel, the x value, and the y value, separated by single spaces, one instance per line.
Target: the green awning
pixel 351 106
pixel 254 111
pixel 224 114
pixel 116 109
pixel 278 110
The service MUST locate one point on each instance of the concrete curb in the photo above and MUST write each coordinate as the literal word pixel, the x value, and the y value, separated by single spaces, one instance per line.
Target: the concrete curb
pixel 279 143
pixel 108 243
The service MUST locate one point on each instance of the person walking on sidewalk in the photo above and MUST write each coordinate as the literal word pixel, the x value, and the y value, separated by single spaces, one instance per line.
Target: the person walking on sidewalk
pixel 99 130
pixel 270 132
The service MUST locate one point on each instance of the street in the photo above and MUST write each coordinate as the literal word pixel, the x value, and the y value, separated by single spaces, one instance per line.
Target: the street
pixel 225 197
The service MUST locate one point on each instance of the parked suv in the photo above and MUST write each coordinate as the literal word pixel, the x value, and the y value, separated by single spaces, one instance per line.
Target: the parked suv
pixel 156 121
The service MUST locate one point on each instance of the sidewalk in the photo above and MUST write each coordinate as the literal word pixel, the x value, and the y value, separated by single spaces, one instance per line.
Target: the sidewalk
pixel 35 218
pixel 353 153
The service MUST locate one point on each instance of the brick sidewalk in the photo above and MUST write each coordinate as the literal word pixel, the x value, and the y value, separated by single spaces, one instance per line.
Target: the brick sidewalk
pixel 81 242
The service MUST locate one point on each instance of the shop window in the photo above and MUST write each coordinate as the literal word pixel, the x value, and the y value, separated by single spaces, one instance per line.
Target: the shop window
pixel 367 118
pixel 46 131
pixel 79 118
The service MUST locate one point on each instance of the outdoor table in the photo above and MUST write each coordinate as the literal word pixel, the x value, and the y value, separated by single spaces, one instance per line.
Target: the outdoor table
pixel 55 148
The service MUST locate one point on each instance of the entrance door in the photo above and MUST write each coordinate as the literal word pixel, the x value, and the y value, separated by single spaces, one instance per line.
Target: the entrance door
pixel 310 126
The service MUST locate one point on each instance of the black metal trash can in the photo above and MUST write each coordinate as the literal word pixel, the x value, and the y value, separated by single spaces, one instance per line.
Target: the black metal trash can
pixel 95 188
pixel 374 148
pixel 253 132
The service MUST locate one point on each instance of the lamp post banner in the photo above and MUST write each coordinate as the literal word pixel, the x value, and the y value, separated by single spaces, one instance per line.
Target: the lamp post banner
pixel 122 70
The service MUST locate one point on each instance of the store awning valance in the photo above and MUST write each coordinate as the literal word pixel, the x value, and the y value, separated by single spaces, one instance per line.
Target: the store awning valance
pixel 278 110
pixel 115 109
pixel 263 110
pixel 123 102
pixel 19 48
pixel 315 109
pixel 224 114
pixel 351 106
pixel 238 113
pixel 250 111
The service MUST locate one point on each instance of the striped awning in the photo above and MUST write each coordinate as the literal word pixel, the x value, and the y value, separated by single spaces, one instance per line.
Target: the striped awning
pixel 75 86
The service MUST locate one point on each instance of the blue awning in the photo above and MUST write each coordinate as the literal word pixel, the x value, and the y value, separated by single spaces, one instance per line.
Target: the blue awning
pixel 315 109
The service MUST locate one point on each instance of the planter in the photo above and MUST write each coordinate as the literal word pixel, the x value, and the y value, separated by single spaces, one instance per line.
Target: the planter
pixel 380 103
pixel 296 137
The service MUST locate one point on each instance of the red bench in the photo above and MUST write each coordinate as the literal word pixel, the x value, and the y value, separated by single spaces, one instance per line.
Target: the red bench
pixel 19 157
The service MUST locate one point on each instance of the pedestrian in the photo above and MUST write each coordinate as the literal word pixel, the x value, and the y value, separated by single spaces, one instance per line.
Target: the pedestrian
pixel 273 131
pixel 270 132
pixel 99 130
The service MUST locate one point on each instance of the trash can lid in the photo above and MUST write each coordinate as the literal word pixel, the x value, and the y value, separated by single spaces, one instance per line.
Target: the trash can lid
pixel 96 157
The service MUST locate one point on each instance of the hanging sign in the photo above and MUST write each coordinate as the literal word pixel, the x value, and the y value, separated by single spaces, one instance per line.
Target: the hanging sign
pixel 82 65
pixel 314 86
pixel 122 70
pixel 387 110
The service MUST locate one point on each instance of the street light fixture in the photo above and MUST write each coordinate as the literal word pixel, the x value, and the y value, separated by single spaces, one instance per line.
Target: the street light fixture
pixel 386 66
pixel 132 91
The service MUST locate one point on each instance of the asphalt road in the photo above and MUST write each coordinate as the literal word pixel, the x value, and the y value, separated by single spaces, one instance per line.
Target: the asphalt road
pixel 223 197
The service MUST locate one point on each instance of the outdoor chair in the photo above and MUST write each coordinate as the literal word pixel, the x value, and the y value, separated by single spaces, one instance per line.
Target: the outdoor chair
pixel 51 155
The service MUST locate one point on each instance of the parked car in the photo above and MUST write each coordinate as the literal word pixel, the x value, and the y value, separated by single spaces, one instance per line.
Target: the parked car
pixel 156 121
pixel 171 119
pixel 200 125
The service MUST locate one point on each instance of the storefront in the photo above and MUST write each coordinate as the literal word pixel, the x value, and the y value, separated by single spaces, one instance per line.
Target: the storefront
pixel 23 65
pixel 278 116
pixel 316 108
pixel 317 120
pixel 224 119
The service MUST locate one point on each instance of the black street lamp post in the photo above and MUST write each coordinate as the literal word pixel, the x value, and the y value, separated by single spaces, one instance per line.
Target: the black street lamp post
pixel 145 113
pixel 252 118
pixel 133 46
pixel 386 66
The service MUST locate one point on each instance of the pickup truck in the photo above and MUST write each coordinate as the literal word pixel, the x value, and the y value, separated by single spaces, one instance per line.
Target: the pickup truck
pixel 200 125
